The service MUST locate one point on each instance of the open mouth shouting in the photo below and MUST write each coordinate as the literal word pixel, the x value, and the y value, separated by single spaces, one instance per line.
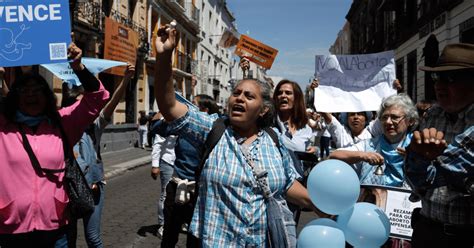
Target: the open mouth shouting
pixel 237 110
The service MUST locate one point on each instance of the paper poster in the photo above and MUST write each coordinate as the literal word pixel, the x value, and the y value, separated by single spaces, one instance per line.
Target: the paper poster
pixel 256 51
pixel 121 44
pixel 353 83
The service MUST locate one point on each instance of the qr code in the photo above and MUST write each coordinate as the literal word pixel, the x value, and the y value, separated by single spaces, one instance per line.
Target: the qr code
pixel 57 51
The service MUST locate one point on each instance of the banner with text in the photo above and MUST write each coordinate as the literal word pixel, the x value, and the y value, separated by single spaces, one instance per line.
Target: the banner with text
pixel 256 51
pixel 34 32
pixel 95 66
pixel 229 39
pixel 121 44
pixel 353 83
pixel 396 204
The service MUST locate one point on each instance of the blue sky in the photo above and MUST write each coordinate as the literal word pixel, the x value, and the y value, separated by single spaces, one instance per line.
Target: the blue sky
pixel 298 29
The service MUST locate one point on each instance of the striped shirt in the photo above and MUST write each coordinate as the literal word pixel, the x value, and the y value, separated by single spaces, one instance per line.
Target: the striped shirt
pixel 440 202
pixel 230 210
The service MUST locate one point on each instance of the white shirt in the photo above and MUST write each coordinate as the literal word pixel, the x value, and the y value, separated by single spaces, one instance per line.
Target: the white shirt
pixel 342 135
pixel 299 139
pixel 163 148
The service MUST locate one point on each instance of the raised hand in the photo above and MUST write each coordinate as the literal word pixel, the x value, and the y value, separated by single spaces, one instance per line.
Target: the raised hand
pixel 130 71
pixel 428 143
pixel 74 54
pixel 167 40
pixel 314 84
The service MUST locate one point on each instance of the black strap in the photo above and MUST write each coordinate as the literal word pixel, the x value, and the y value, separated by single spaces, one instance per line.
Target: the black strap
pixel 218 128
pixel 33 158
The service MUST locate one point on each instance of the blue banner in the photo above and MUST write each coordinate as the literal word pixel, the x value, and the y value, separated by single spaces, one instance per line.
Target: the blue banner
pixel 34 32
pixel 95 66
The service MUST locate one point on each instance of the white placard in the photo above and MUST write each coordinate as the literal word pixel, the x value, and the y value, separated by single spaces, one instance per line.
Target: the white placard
pixel 399 210
pixel 353 83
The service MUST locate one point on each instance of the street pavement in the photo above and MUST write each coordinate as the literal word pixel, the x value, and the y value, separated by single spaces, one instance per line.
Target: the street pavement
pixel 129 218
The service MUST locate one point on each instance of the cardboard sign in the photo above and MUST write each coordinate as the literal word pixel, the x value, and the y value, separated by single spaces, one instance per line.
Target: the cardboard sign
pixel 353 83
pixel 395 203
pixel 34 32
pixel 121 44
pixel 228 39
pixel 256 51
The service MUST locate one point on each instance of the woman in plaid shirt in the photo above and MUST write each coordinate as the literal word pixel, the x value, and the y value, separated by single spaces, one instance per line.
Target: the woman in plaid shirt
pixel 230 210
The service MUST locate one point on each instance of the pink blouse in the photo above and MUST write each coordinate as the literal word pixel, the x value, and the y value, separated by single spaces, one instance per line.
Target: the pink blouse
pixel 29 202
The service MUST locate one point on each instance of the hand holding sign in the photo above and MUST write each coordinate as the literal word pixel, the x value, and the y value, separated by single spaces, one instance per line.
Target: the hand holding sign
pixel 74 53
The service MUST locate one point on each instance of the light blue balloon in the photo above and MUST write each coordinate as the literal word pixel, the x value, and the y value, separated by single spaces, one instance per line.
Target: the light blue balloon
pixel 333 186
pixel 365 225
pixel 324 233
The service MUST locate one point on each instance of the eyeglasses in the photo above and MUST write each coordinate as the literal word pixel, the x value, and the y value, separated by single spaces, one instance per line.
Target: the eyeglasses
pixel 395 118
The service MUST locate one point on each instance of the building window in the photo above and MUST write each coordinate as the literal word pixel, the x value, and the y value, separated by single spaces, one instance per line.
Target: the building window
pixel 411 75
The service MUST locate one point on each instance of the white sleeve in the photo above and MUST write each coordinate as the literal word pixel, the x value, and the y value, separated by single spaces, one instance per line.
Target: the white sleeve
pixel 357 147
pixel 158 145
pixel 375 128
pixel 338 132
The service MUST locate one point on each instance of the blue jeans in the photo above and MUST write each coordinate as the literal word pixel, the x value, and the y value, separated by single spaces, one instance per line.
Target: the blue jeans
pixel 91 223
pixel 142 136
pixel 281 226
pixel 166 172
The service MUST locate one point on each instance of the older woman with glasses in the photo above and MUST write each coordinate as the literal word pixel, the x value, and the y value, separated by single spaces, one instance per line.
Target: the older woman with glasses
pixel 398 116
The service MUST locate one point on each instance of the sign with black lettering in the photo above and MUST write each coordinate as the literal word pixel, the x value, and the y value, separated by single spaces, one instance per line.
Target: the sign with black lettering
pixel 256 51
pixel 121 44
pixel 396 205
pixel 353 83
pixel 34 32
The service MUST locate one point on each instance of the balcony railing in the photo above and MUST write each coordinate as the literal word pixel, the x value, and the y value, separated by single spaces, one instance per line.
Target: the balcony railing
pixel 186 63
pixel 90 14
pixel 125 20
pixel 193 13
pixel 177 4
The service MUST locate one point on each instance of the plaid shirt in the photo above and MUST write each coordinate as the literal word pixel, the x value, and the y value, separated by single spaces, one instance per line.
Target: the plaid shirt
pixel 431 178
pixel 230 211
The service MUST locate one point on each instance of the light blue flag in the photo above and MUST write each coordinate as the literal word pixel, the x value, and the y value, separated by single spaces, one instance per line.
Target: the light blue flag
pixel 181 99
pixel 34 32
pixel 94 65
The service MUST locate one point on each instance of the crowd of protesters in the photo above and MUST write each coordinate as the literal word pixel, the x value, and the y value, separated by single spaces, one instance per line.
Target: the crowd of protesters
pixel 225 177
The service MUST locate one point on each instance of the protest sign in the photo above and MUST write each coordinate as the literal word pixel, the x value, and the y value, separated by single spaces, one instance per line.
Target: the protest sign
pixel 64 72
pixel 34 32
pixel 396 205
pixel 121 44
pixel 256 51
pixel 228 39
pixel 353 83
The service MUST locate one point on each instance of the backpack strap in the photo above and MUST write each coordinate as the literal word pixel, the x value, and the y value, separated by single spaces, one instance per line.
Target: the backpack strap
pixel 273 135
pixel 218 129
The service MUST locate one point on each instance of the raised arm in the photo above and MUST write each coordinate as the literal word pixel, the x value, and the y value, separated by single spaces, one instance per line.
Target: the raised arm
pixel 165 43
pixel 119 91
